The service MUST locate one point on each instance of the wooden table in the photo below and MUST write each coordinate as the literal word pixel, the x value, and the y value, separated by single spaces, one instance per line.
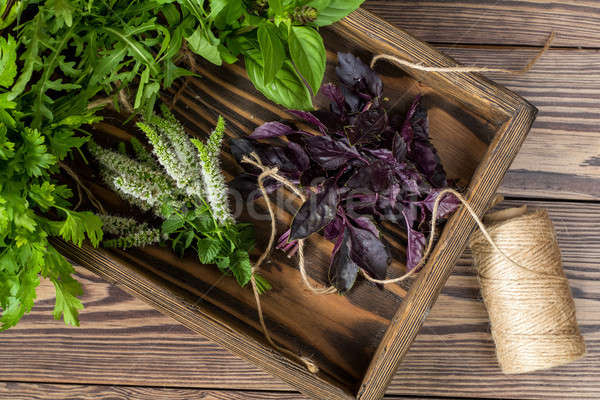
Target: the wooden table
pixel 126 350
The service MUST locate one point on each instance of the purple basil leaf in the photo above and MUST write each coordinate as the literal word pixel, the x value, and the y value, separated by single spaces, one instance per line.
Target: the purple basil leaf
pixel 356 74
pixel 447 206
pixel 310 118
pixel 246 184
pixel 382 154
pixel 416 240
pixel 298 156
pixel 240 147
pixel 415 133
pixel 427 160
pixel 376 177
pixel 343 269
pixel 310 176
pixel 329 153
pixel 336 96
pixel 369 252
pixel 368 126
pixel 270 130
pixel 316 212
pixel 367 224
pixel 406 131
pixel 353 100
pixel 399 148
pixel 334 229
pixel 409 177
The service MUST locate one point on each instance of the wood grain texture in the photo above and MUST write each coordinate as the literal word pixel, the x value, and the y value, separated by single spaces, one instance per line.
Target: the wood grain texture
pixel 124 341
pixel 516 22
pixel 41 391
pixel 379 329
pixel 561 156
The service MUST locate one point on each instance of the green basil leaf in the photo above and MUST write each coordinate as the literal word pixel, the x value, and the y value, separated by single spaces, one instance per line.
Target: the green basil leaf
pixel 200 45
pixel 225 12
pixel 272 50
pixel 276 6
pixel 287 89
pixel 308 54
pixel 334 10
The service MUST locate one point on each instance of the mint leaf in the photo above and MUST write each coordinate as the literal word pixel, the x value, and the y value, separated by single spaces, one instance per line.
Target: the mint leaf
pixel 272 51
pixel 172 224
pixel 241 268
pixel 208 249
pixel 308 54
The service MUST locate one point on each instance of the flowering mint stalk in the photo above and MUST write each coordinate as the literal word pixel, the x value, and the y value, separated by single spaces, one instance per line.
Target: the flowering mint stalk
pixel 175 152
pixel 214 181
pixel 140 184
pixel 130 232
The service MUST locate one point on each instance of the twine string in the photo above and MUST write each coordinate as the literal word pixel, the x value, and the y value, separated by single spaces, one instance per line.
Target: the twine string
pixel 532 313
pixel 424 68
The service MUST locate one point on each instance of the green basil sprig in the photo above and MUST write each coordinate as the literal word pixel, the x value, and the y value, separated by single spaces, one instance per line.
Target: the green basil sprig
pixel 279 40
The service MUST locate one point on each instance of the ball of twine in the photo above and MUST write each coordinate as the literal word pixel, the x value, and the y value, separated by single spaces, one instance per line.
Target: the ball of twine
pixel 531 310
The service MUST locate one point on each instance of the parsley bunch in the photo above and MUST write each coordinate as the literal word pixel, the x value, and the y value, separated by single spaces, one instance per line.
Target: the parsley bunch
pixel 33 205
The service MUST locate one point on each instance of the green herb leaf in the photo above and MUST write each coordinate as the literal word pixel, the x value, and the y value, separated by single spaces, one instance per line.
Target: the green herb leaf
pixel 334 10
pixel 8 61
pixel 208 249
pixel 200 45
pixel 172 224
pixel 308 54
pixel 241 268
pixel 272 51
pixel 286 89
pixel 276 6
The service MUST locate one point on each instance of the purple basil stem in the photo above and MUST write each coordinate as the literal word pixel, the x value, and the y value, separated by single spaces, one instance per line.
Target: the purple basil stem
pixel 270 130
pixel 310 118
pixel 286 246
pixel 336 96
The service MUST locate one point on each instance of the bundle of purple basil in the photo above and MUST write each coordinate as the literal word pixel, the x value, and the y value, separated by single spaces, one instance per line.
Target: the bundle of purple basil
pixel 364 166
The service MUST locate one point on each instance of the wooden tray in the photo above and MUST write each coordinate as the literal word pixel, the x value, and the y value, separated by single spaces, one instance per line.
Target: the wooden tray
pixel 358 340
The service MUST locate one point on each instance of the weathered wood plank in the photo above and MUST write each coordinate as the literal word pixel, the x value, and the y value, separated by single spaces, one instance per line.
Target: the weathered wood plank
pixel 123 341
pixel 561 156
pixel 44 391
pixel 522 22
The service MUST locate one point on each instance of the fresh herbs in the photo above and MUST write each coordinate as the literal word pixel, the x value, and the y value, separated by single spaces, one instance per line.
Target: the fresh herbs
pixel 184 187
pixel 282 48
pixel 33 205
pixel 366 166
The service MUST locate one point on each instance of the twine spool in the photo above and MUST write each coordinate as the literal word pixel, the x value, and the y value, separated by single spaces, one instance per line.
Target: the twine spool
pixel 529 302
